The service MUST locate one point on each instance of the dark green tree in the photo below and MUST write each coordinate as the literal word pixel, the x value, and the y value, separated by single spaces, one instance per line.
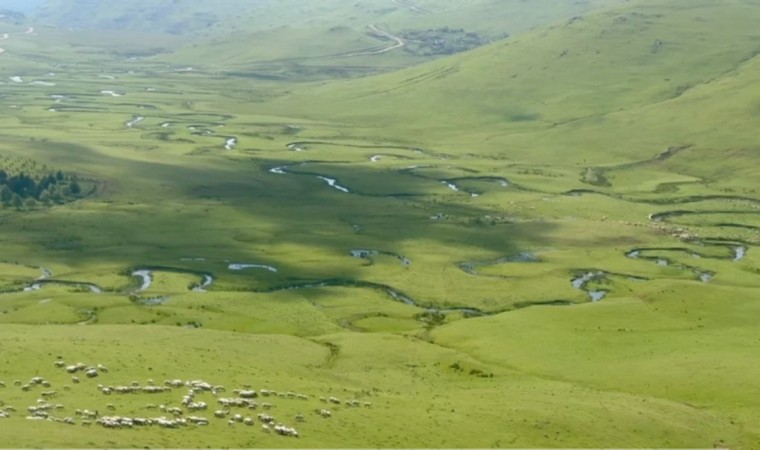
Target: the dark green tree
pixel 17 202
pixel 6 194
pixel 57 195
pixel 75 188
pixel 45 197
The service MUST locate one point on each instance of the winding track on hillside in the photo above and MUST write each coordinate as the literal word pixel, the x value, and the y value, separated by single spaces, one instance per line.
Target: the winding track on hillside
pixel 399 43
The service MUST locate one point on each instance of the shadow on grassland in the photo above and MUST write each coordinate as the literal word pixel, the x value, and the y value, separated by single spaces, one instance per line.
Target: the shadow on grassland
pixel 223 210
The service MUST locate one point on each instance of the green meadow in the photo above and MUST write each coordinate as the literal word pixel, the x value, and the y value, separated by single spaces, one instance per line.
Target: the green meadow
pixel 546 241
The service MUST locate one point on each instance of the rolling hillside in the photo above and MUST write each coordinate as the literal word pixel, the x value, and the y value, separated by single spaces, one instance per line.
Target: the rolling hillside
pixel 552 240
pixel 612 74
pixel 305 40
pixel 196 16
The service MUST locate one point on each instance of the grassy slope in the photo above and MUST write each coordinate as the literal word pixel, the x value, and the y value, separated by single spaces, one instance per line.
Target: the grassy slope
pixel 403 380
pixel 155 15
pixel 532 93
pixel 298 41
pixel 489 16
pixel 662 362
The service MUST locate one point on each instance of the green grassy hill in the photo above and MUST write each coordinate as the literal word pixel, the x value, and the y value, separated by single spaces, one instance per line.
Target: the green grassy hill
pixel 550 241
pixel 604 63
pixel 194 16
pixel 296 40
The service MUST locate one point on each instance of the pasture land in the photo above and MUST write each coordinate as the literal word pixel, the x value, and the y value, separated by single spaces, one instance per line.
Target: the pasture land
pixel 512 247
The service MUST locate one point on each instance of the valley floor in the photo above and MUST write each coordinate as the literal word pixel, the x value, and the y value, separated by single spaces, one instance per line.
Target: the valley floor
pixel 424 291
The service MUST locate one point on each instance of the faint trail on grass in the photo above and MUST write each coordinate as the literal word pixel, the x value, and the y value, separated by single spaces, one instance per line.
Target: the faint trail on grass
pixel 399 43
pixel 332 356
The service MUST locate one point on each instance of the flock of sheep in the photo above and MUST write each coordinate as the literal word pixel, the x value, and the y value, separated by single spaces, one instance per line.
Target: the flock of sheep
pixel 233 409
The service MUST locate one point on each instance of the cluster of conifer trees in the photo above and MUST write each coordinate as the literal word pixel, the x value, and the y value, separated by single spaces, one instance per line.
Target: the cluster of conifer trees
pixel 27 191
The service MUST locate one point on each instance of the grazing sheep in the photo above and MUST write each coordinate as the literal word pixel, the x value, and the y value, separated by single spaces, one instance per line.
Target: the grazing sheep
pixel 199 406
pixel 285 431
pixel 155 389
pixel 75 379
pixel 102 368
pixel 325 413
pixel 299 418
pixel 59 364
pixel 248 394
pixel 220 414
pixel 266 428
pixel 200 384
pixel 200 421
pixel 248 421
pixel 266 418
pixel 141 422
pixel 266 405
pixel 2 385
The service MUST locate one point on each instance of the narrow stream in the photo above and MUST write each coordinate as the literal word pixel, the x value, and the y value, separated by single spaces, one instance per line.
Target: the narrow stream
pixel 147 279
pixel 207 281
pixel 243 266
pixel 333 183
pixel 367 254
pixel 135 121
pixel 581 283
